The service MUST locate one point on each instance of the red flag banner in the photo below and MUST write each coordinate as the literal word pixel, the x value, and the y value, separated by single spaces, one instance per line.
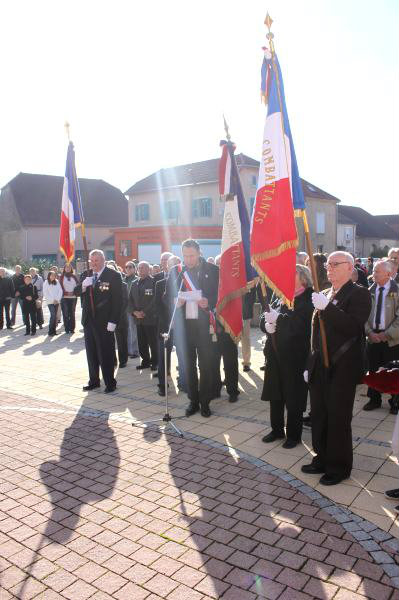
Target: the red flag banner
pixel 274 237
pixel 234 260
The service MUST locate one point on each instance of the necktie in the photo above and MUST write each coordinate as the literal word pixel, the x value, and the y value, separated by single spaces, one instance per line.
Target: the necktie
pixel 379 308
pixel 95 277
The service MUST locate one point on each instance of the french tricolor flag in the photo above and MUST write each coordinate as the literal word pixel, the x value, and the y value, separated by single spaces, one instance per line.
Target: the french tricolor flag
pixel 235 265
pixel 274 237
pixel 71 207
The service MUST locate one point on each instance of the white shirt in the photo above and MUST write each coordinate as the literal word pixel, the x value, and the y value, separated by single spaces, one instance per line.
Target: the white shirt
pixel 384 295
pixel 52 292
pixel 98 274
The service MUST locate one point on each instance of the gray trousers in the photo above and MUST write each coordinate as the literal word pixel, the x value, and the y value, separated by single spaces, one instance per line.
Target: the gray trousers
pixel 14 302
pixel 132 343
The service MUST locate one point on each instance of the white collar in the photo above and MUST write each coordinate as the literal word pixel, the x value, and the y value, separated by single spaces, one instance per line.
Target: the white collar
pixel 99 273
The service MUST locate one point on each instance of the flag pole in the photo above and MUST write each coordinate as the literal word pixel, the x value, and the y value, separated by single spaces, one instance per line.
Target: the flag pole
pixel 270 36
pixel 81 216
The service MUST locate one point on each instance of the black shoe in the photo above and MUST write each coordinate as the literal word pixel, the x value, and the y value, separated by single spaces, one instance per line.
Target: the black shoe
pixel 246 368
pixel 122 365
pixel 9 327
pixel 272 437
pixel 142 366
pixel 110 389
pixel 191 409
pixel 155 375
pixel 392 494
pixel 33 333
pixel 27 333
pixel 205 411
pixel 90 386
pixel 288 444
pixel 161 391
pixel 154 367
pixel 263 367
pixel 372 404
pixel 312 469
pixel 40 326
pixel 332 479
pixel 233 399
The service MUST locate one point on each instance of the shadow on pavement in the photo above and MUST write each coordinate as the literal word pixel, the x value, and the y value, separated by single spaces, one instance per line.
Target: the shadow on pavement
pixel 249 530
pixel 86 471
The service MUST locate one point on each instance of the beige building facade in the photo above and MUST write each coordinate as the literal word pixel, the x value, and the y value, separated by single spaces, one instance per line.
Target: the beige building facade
pixel 188 195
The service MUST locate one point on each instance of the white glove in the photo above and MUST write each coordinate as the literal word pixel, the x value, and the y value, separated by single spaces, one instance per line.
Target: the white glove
pixel 111 327
pixel 270 328
pixel 319 300
pixel 86 282
pixel 271 316
pixel 306 376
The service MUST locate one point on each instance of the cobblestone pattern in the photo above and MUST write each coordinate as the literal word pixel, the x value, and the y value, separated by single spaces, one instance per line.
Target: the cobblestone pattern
pixel 91 508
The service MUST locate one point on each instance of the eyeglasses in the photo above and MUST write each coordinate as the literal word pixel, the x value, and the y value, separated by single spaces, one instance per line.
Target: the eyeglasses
pixel 334 265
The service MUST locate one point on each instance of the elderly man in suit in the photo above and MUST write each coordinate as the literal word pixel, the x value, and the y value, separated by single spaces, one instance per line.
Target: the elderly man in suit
pixel 142 295
pixel 382 327
pixel 101 292
pixel 163 321
pixel 393 256
pixel 344 308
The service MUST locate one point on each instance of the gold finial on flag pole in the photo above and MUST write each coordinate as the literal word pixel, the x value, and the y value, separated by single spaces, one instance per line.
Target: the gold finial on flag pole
pixel 226 128
pixel 270 35
pixel 67 127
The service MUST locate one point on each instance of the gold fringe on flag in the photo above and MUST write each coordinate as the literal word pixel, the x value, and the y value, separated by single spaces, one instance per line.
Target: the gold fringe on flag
pixel 272 285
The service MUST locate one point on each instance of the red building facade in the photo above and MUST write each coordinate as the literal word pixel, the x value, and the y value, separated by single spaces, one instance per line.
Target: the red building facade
pixel 130 241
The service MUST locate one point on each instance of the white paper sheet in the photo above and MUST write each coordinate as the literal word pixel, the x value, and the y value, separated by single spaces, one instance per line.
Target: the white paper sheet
pixel 191 299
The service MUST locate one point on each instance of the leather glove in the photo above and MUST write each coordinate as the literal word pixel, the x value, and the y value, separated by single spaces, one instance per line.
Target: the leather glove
pixel 306 376
pixel 319 300
pixel 271 316
pixel 86 282
pixel 270 328
pixel 111 327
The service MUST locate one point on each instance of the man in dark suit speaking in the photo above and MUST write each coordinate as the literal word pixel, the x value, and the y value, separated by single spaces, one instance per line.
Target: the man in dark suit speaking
pixel 193 322
pixel 101 292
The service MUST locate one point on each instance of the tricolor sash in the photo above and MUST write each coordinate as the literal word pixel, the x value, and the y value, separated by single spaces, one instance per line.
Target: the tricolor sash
pixel 192 305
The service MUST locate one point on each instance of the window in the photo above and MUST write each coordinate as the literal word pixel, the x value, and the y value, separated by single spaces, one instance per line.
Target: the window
pixel 320 222
pixel 172 209
pixel 125 246
pixel 142 212
pixel 348 234
pixel 202 207
pixel 45 257
pixel 254 180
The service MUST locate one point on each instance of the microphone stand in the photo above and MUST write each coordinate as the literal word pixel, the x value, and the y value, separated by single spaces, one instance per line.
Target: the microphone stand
pixel 167 419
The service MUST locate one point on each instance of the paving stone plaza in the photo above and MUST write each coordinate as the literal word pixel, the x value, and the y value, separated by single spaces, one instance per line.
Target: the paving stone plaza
pixel 91 507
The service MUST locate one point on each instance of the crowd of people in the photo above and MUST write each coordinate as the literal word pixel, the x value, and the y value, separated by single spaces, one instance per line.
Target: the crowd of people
pixel 126 312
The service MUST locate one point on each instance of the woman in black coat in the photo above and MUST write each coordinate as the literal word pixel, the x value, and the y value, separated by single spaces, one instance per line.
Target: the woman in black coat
pixel 286 358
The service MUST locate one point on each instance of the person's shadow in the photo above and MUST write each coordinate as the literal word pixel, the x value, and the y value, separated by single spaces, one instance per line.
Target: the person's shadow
pixel 185 488
pixel 86 471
